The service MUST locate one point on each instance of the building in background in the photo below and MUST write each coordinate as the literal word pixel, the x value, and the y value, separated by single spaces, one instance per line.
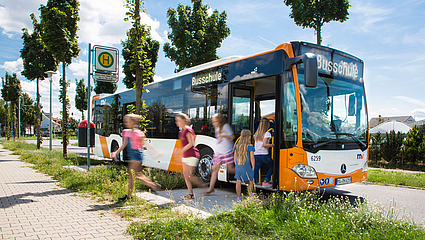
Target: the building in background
pixel 408 120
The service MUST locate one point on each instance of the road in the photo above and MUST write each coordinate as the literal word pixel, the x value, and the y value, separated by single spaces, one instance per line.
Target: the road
pixel 410 202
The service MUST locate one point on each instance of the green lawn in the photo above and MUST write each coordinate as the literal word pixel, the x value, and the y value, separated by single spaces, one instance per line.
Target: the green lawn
pixel 397 178
pixel 301 215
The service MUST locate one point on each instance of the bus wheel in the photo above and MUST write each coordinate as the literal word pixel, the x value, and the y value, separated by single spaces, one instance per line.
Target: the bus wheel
pixel 205 164
pixel 114 147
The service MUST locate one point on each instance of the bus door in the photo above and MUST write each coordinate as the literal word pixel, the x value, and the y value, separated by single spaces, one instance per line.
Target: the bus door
pixel 241 115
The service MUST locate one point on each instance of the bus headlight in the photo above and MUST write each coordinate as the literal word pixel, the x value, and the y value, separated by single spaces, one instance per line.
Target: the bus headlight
pixel 304 171
pixel 365 166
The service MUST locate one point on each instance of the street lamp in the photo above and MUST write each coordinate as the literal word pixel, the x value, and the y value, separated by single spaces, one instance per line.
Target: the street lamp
pixel 49 74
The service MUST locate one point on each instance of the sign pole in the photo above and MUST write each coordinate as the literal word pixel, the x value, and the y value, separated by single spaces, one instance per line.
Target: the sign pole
pixel 88 109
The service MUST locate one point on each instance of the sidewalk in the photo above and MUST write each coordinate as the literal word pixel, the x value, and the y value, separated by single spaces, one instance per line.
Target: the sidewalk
pixel 33 206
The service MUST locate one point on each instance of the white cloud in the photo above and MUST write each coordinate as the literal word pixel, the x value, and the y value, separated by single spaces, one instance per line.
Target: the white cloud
pixel 368 15
pixel 15 15
pixel 411 100
pixel 157 78
pixel 13 66
pixel 102 21
pixel 419 114
pixel 79 68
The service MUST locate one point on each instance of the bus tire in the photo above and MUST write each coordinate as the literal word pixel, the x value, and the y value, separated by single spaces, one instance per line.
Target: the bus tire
pixel 205 163
pixel 114 147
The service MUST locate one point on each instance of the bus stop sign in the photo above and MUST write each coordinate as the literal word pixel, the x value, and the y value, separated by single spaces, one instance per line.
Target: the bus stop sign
pixel 106 60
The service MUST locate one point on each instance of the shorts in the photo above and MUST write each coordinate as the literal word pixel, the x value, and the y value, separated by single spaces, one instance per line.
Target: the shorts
pixel 134 154
pixel 223 158
pixel 191 161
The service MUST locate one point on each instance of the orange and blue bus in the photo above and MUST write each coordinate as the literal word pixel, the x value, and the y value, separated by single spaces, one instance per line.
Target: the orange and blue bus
pixel 313 95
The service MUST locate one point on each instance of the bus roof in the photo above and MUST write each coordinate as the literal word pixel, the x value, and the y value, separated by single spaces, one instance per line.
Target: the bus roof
pixel 226 60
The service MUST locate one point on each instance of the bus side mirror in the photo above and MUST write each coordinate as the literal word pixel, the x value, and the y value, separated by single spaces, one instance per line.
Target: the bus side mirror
pixel 351 105
pixel 310 67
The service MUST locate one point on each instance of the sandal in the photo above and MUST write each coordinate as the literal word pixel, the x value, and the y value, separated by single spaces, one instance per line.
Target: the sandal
pixel 188 197
pixel 125 198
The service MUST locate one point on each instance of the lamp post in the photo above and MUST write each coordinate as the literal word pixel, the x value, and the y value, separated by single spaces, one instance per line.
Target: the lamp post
pixel 49 74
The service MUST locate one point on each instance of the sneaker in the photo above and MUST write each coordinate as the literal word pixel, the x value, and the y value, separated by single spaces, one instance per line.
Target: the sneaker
pixel 267 184
pixel 239 199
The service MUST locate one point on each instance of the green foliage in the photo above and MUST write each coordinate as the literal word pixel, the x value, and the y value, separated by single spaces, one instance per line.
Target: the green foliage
pixel 287 216
pixel 59 24
pixel 28 110
pixel 137 59
pixel 391 146
pixel 64 99
pixel 375 147
pixel 11 92
pixel 397 178
pixel 104 87
pixel 150 49
pixel 315 13
pixel 414 145
pixel 194 35
pixel 37 59
pixel 81 96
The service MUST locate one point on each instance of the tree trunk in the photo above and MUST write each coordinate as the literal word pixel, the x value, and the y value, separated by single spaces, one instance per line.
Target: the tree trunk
pixel 318 33
pixel 138 70
pixel 64 112
pixel 39 116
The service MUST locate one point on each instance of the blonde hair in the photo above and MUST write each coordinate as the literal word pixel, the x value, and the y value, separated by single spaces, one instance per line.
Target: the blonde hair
pixel 221 121
pixel 184 117
pixel 262 129
pixel 242 146
pixel 134 118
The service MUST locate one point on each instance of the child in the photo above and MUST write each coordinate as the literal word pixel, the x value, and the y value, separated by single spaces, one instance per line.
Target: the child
pixel 244 163
pixel 190 154
pixel 133 138
pixel 262 137
pixel 224 149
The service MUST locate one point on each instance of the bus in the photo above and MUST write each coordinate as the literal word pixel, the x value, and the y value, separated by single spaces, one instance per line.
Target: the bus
pixel 314 97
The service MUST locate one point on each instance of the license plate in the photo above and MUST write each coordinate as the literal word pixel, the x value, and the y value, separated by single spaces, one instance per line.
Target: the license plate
pixel 340 181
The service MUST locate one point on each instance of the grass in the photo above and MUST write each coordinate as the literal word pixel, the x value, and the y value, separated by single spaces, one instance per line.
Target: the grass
pixel 287 216
pixel 302 215
pixel 104 182
pixel 397 178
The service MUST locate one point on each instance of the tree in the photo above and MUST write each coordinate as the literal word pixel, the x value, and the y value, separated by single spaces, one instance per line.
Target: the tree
pixel 391 146
pixel 11 92
pixel 315 13
pixel 104 87
pixel 150 48
pixel 413 150
pixel 138 61
pixel 59 22
pixel 81 96
pixel 37 59
pixel 28 110
pixel 194 35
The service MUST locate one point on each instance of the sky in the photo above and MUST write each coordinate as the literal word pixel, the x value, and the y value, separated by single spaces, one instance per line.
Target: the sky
pixel 389 35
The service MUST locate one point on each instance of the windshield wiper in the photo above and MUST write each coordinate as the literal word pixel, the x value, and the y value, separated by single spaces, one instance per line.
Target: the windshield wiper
pixel 362 145
pixel 316 145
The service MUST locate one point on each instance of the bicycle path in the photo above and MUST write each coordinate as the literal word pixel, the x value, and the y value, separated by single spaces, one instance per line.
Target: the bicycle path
pixel 33 206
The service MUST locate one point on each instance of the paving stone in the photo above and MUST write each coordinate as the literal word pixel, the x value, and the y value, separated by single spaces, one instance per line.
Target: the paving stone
pixel 33 206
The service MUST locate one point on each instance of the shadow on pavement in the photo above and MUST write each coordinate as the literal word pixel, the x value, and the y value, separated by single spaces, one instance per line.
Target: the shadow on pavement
pixel 17 199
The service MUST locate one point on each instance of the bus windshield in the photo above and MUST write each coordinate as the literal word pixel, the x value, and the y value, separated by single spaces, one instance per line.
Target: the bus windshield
pixel 333 114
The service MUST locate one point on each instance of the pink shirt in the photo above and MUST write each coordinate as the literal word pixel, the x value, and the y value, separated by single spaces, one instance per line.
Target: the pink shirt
pixel 135 136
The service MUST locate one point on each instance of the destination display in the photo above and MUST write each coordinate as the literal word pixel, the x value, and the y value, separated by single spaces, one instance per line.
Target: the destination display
pixel 208 76
pixel 334 64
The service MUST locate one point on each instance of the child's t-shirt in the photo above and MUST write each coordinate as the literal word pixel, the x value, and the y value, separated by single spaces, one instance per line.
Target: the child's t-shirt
pixel 244 172
pixel 259 148
pixel 191 152
pixel 135 136
pixel 224 145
